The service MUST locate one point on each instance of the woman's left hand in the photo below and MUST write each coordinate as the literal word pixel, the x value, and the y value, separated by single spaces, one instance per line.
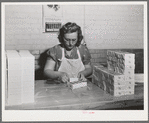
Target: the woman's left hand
pixel 81 77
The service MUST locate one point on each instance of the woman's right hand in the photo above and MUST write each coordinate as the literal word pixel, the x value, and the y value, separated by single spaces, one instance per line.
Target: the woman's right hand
pixel 64 77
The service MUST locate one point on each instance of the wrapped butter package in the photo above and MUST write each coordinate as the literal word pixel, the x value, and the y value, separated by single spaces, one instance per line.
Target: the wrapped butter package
pixel 121 62
pixel 111 82
pixel 75 83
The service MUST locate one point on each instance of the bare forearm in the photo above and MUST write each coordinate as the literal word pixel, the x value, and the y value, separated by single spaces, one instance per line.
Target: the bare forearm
pixel 51 74
pixel 87 72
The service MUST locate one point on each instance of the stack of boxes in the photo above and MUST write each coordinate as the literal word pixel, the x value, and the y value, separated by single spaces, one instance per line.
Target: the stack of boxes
pixel 14 85
pixel 27 77
pixel 121 62
pixel 118 78
pixel 20 77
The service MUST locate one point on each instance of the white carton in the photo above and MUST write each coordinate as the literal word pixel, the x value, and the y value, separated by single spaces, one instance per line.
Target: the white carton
pixel 78 84
pixel 27 66
pixel 13 77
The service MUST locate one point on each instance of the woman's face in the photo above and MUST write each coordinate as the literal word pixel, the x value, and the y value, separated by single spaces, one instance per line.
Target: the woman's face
pixel 70 40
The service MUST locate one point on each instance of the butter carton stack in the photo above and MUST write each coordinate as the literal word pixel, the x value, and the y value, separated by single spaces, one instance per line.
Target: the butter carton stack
pixel 27 66
pixel 124 63
pixel 121 62
pixel 20 77
pixel 13 83
pixel 111 82
pixel 118 78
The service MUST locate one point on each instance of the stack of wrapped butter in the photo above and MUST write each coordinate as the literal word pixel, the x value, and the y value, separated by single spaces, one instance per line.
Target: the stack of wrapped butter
pixel 121 62
pixel 19 77
pixel 118 78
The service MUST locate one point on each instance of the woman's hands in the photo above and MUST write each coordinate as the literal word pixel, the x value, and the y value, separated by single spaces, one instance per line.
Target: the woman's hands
pixel 64 77
pixel 81 76
pixel 85 73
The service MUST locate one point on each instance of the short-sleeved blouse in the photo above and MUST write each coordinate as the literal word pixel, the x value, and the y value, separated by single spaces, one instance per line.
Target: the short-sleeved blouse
pixel 55 53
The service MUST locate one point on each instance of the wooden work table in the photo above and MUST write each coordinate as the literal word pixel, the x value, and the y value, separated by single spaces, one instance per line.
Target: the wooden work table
pixel 50 95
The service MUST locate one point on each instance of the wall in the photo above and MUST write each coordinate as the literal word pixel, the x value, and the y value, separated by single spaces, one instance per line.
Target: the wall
pixel 104 27
pixel 114 26
pixel 23 26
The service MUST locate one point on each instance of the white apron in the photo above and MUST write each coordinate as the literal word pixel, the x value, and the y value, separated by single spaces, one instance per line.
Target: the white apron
pixel 71 66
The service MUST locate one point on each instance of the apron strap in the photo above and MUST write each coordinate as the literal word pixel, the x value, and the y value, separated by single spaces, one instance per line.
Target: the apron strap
pixel 63 54
pixel 79 56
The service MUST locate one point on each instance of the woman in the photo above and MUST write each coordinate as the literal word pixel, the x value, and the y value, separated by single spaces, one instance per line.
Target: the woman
pixel 70 59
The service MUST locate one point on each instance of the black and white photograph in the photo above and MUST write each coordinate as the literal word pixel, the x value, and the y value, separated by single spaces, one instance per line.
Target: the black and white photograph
pixel 74 61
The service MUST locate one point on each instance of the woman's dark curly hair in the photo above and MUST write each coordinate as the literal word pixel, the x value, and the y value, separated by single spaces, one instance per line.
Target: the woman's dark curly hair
pixel 70 28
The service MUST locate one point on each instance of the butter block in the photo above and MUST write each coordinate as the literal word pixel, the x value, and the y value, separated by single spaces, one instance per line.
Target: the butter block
pixel 124 87
pixel 129 78
pixel 76 85
pixel 121 93
pixel 119 90
pixel 122 82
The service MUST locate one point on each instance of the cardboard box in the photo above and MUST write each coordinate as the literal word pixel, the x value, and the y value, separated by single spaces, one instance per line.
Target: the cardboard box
pixel 20 77
pixel 27 66
pixel 14 85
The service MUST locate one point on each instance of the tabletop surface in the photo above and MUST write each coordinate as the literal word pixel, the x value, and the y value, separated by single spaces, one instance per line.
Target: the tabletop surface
pixel 53 95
